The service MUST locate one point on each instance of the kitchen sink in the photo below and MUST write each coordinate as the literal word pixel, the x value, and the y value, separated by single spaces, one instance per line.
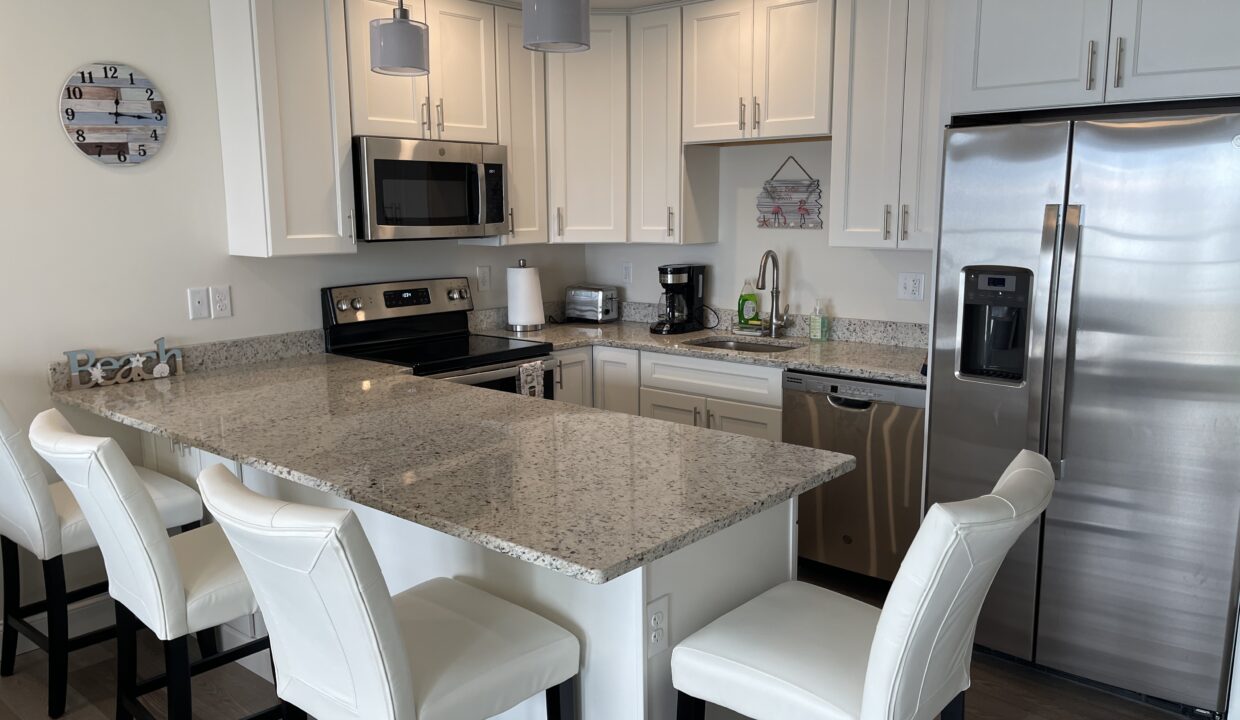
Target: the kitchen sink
pixel 743 345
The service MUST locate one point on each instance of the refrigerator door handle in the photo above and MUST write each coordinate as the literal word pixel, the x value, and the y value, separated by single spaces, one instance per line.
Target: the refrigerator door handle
pixel 1061 347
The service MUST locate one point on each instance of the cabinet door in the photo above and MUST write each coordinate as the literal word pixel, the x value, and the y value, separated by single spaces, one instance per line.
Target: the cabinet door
pixel 869 116
pixel 925 121
pixel 588 136
pixel 792 48
pixel 1016 55
pixel 654 125
pixel 673 407
pixel 718 72
pixel 1163 49
pixel 616 379
pixel 743 419
pixel 384 105
pixel 462 78
pixel 576 376
pixel 522 129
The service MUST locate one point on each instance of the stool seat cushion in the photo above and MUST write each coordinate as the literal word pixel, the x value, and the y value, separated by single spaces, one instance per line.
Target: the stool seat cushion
pixel 474 655
pixel 796 651
pixel 177 505
pixel 216 588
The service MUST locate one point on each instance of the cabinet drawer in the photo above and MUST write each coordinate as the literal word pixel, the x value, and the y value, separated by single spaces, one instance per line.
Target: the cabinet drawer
pixel 713 378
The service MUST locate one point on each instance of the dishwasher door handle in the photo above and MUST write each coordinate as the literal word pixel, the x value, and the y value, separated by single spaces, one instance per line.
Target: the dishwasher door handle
pixel 847 404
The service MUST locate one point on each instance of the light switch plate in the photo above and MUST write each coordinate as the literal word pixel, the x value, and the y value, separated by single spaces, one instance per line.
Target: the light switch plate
pixel 912 286
pixel 199 304
pixel 626 272
pixel 221 301
pixel 483 273
pixel 658 626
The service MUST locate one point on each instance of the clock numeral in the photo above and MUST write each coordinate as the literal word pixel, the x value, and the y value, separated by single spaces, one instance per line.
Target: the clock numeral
pixel 131 78
pixel 155 135
pixel 159 115
pixel 109 72
pixel 88 76
pixel 141 151
pixel 81 136
pixel 73 93
pixel 150 93
pixel 122 157
pixel 98 151
pixel 70 114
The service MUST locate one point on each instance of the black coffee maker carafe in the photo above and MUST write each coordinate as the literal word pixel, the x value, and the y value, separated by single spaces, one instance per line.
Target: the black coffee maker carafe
pixel 683 303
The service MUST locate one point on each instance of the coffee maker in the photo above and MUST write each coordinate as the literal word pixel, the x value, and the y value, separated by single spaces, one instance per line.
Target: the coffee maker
pixel 683 304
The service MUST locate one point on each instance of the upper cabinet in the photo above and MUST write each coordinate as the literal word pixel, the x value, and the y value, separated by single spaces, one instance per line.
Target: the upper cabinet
pixel 654 126
pixel 889 121
pixel 1015 56
pixel 383 105
pixel 757 69
pixel 588 136
pixel 522 86
pixel 288 173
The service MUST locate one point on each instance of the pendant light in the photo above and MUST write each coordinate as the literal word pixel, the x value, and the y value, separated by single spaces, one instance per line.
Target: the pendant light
pixel 559 26
pixel 399 46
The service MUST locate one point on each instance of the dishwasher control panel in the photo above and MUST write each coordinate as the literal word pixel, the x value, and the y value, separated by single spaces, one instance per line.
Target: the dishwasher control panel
pixel 853 390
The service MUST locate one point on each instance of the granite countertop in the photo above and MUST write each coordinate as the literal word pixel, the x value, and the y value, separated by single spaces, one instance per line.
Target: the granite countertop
pixel 588 493
pixel 885 363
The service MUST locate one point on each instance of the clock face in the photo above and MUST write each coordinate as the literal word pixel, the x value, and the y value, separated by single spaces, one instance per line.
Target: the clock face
pixel 113 114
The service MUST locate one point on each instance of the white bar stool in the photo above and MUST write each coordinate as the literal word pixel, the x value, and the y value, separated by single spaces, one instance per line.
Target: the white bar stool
pixel 800 651
pixel 47 521
pixel 345 649
pixel 175 586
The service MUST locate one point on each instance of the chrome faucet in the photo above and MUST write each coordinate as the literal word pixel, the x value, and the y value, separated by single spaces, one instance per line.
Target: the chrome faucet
pixel 778 319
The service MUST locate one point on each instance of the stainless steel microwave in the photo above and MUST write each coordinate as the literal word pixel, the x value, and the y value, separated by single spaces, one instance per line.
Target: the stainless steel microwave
pixel 426 189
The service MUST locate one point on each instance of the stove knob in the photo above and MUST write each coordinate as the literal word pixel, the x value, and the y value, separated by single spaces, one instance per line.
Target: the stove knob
pixel 453 294
pixel 343 306
pixel 464 293
pixel 357 303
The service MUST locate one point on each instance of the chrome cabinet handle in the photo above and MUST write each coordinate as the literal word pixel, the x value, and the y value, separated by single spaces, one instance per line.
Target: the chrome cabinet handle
pixel 696 414
pixel 559 376
pixel 670 224
pixel 1093 60
pixel 904 223
pixel 439 110
pixel 742 123
pixel 757 112
pixel 710 418
pixel 886 222
pixel 559 221
pixel 511 225
pixel 1119 61
pixel 426 115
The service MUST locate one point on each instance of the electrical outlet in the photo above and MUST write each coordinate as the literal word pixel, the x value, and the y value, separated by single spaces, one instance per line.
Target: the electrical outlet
pixel 199 304
pixel 912 286
pixel 221 301
pixel 657 626
pixel 483 273
pixel 626 273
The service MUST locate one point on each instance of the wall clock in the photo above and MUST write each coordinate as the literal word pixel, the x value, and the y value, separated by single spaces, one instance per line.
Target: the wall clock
pixel 113 113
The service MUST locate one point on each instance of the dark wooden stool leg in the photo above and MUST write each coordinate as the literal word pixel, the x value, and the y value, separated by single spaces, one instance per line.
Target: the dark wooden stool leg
pixel 126 661
pixel 57 636
pixel 176 669
pixel 292 712
pixel 954 709
pixel 562 700
pixel 12 601
pixel 689 707
pixel 208 645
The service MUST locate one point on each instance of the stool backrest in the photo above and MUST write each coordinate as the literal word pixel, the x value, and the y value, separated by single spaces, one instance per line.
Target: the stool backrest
pixel 924 642
pixel 143 574
pixel 337 646
pixel 27 514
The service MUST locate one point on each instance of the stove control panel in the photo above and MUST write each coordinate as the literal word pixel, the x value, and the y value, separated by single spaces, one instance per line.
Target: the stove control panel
pixel 381 301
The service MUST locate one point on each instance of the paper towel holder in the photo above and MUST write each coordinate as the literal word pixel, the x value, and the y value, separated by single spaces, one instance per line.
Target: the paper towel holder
pixel 537 291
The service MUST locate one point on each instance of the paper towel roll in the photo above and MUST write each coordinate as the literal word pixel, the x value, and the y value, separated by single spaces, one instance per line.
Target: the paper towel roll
pixel 525 304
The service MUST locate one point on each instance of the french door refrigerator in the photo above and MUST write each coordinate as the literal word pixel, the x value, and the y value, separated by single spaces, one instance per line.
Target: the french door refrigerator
pixel 1088 307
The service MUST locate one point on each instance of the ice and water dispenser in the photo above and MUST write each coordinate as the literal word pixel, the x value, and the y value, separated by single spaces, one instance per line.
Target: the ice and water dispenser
pixel 995 323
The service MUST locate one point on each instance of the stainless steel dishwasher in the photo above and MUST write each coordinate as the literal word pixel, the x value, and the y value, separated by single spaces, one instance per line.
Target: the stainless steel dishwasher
pixel 865 520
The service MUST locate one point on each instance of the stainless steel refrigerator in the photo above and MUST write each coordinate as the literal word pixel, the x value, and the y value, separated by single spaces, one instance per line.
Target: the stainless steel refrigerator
pixel 1088 307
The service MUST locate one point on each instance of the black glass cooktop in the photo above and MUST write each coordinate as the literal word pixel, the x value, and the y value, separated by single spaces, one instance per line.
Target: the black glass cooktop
pixel 432 356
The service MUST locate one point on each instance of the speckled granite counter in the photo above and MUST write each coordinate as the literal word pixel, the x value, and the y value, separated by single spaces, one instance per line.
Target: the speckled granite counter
pixel 588 493
pixel 888 363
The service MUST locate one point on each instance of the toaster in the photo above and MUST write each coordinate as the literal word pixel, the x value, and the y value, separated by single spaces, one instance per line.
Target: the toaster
pixel 591 303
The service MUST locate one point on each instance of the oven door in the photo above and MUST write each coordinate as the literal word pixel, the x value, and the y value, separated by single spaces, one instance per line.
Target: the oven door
pixel 506 377
pixel 425 189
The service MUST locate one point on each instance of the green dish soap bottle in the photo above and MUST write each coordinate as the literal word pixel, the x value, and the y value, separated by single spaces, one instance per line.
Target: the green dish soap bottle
pixel 748 312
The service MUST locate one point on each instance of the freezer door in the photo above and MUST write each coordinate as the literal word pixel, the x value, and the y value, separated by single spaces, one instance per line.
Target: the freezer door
pixel 1138 569
pixel 1003 191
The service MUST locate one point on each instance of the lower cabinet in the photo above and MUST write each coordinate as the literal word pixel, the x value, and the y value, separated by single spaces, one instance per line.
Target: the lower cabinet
pixel 617 374
pixel 740 418
pixel 674 407
pixel 576 376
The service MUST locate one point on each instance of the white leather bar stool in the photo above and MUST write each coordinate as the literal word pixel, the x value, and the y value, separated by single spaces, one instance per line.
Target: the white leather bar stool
pixel 800 651
pixel 345 649
pixel 175 586
pixel 47 521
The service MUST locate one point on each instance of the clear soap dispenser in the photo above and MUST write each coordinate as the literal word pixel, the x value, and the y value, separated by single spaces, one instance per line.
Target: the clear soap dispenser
pixel 818 322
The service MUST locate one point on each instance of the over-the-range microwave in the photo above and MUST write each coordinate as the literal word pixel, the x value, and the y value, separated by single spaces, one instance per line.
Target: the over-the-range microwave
pixel 427 189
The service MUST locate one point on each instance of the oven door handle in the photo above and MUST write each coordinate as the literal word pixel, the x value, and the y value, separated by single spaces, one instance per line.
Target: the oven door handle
pixel 501 373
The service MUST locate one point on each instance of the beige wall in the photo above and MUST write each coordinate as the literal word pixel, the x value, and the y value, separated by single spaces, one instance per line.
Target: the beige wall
pixel 857 283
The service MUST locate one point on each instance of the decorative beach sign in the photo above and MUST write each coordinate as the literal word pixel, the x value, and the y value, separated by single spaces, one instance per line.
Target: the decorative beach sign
pixel 790 203
pixel 86 370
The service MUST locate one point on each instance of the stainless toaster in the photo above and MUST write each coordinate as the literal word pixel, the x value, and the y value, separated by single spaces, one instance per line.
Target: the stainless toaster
pixel 591 303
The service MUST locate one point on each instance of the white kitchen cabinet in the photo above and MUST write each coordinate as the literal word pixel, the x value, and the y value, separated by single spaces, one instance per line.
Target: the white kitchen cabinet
pixel 757 69
pixel 889 122
pixel 288 170
pixel 1165 49
pixel 617 379
pixel 673 407
pixel 383 105
pixel 588 133
pixel 576 376
pixel 462 77
pixel 522 84
pixel 744 419
pixel 654 126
